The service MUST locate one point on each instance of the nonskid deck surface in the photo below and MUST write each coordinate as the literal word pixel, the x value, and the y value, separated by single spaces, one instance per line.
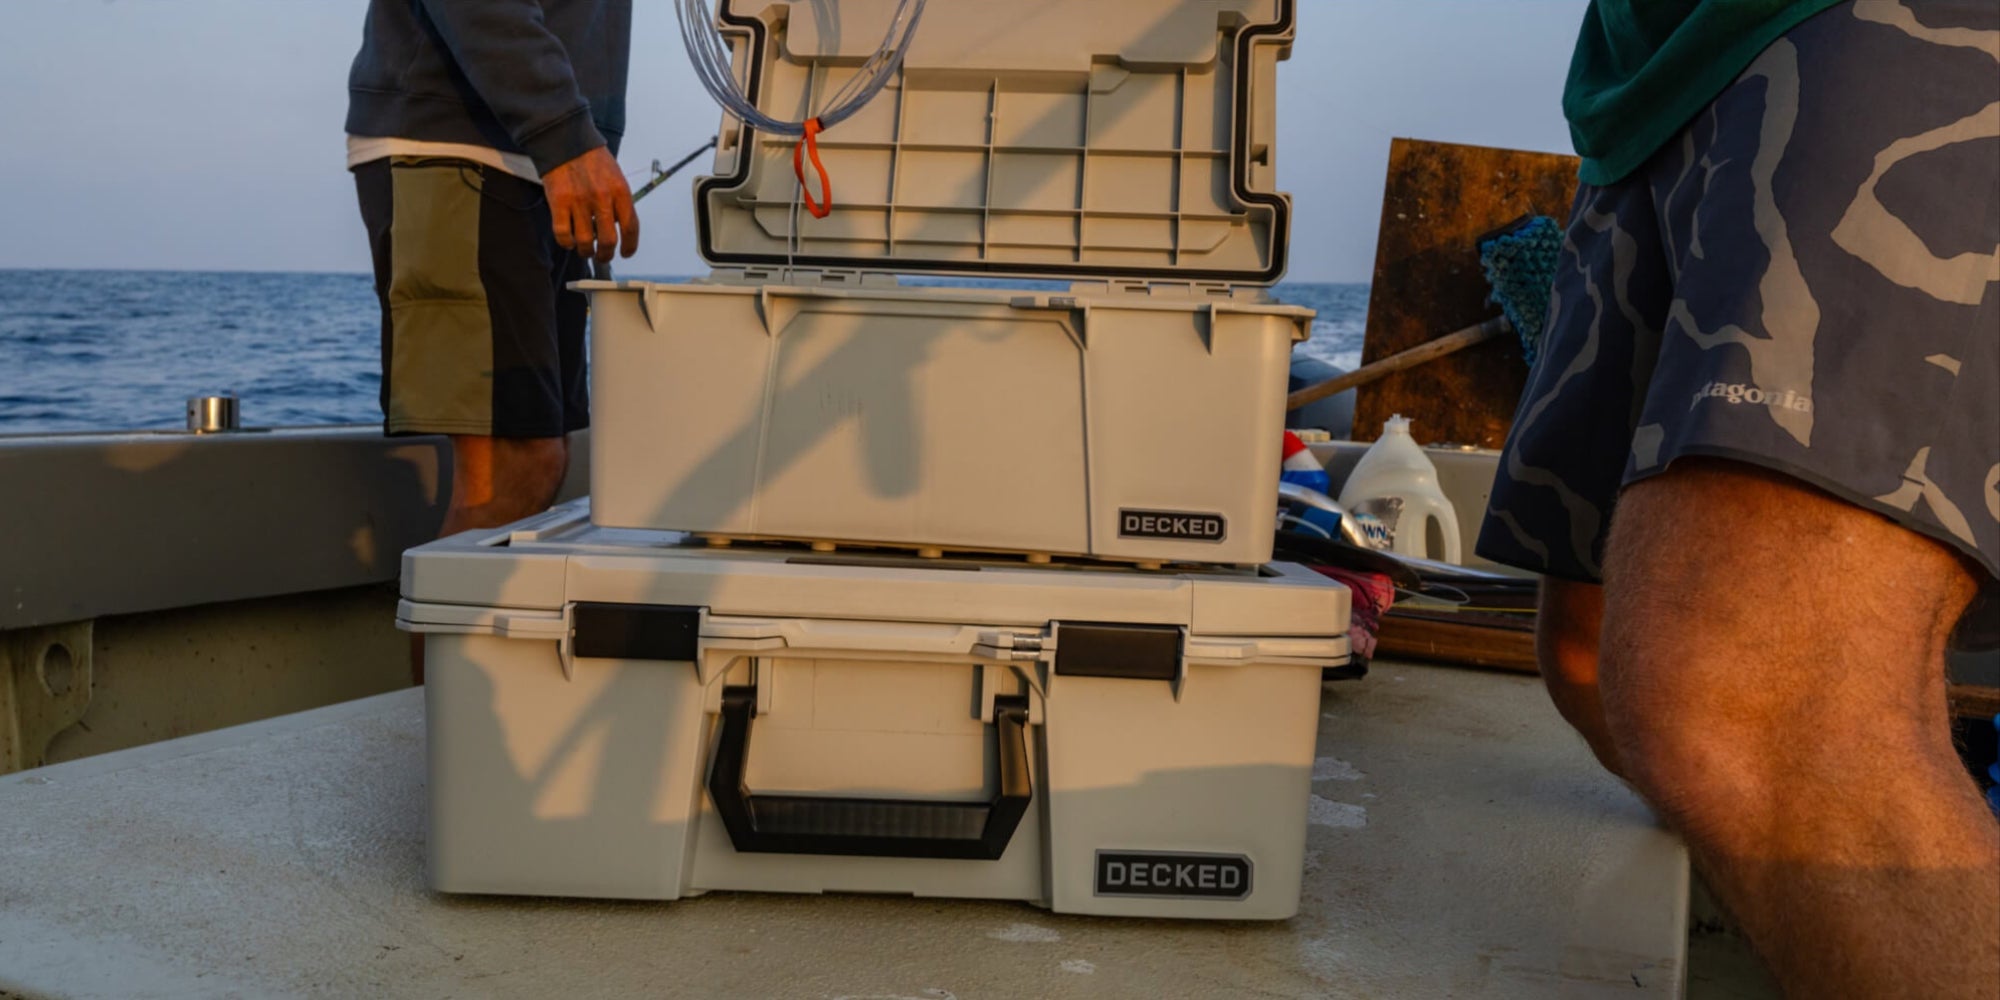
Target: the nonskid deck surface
pixel 1461 843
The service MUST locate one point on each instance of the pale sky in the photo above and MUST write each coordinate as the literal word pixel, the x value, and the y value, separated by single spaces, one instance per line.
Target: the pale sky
pixel 206 134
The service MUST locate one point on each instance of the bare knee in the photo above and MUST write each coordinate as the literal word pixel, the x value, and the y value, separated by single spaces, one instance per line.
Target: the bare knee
pixel 535 468
pixel 1706 766
pixel 1568 627
pixel 1739 674
pixel 1567 632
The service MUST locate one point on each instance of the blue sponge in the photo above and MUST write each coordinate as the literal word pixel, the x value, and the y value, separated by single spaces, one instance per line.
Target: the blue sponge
pixel 1520 267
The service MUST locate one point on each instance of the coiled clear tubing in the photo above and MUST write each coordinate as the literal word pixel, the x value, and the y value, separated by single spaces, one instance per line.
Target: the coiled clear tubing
pixel 709 55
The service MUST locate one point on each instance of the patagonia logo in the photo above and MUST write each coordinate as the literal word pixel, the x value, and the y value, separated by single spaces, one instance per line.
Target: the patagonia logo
pixel 1171 524
pixel 1738 393
pixel 1175 875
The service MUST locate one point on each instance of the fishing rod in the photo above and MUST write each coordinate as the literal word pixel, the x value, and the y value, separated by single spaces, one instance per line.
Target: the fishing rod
pixel 661 176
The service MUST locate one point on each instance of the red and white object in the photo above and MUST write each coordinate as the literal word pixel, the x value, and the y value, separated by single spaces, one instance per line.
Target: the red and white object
pixel 1301 468
pixel 1297 457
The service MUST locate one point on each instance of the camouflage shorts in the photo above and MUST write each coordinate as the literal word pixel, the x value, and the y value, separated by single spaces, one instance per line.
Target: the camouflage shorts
pixel 1806 279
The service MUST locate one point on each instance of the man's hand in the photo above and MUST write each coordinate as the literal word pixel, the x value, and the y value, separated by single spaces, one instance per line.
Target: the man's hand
pixel 591 206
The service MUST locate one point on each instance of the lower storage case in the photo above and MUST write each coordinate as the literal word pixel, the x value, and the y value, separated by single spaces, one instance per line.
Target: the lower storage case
pixel 1117 426
pixel 834 761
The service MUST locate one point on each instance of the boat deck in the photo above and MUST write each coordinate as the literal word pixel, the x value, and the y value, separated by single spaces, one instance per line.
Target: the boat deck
pixel 1463 844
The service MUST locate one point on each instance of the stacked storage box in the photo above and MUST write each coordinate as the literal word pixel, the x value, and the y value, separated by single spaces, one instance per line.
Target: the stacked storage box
pixel 1019 711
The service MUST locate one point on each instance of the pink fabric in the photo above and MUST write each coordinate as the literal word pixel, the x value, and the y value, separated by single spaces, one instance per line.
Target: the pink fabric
pixel 1372 594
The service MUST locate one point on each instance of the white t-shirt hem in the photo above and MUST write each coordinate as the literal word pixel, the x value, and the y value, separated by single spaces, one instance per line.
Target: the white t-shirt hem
pixel 367 149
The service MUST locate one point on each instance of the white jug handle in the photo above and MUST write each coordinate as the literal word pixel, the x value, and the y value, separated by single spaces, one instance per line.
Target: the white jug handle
pixel 1447 517
pixel 1418 517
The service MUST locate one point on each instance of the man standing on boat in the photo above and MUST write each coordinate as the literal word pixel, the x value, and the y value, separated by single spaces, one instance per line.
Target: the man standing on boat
pixel 481 134
pixel 1775 346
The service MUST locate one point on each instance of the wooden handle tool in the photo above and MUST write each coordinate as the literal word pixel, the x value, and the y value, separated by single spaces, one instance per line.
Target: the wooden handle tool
pixel 1448 344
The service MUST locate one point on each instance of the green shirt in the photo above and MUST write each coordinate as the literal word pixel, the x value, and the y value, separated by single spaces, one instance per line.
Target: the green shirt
pixel 1643 69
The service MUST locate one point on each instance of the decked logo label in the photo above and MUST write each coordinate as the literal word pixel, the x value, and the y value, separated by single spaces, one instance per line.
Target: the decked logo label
pixel 1180 525
pixel 1184 876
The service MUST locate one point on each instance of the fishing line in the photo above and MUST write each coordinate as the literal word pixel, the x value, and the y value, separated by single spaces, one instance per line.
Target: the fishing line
pixel 661 176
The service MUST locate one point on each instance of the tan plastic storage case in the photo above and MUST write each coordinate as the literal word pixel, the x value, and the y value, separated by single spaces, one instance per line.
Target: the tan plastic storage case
pixel 800 392
pixel 614 714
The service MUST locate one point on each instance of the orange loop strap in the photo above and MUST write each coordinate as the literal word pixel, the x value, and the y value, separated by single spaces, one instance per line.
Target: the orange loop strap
pixel 808 146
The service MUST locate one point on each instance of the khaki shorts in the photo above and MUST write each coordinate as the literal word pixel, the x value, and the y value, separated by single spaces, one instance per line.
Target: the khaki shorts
pixel 479 333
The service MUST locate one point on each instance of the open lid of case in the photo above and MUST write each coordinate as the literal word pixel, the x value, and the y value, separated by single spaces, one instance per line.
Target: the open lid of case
pixel 1103 139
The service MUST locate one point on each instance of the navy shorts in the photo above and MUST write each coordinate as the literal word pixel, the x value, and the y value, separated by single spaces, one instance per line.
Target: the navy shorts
pixel 1806 279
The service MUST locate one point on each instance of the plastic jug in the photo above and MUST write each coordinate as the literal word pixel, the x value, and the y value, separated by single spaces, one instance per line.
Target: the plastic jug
pixel 1397 484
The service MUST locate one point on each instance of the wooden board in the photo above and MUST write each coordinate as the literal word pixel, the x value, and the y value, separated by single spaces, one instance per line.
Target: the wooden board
pixel 1461 638
pixel 1507 642
pixel 1972 701
pixel 1438 200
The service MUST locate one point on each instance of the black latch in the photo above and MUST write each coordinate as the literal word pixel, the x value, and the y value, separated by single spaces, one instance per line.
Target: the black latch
pixel 635 631
pixel 1135 652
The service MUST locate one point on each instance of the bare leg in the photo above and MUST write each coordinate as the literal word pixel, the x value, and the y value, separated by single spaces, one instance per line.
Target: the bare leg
pixel 1567 630
pixel 498 480
pixel 1773 672
pixel 495 481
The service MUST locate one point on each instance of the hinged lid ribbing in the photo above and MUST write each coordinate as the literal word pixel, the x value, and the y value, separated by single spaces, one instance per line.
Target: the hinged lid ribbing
pixel 1108 139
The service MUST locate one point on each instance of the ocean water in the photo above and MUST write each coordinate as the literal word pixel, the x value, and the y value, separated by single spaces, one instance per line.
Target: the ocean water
pixel 122 350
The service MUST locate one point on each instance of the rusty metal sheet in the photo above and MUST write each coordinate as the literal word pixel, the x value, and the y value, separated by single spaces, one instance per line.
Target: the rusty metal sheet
pixel 1438 200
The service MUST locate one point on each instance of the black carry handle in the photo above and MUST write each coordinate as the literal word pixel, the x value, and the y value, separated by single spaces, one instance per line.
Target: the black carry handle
pixel 877 828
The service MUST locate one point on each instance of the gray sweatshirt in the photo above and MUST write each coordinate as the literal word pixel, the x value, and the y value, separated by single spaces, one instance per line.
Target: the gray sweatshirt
pixel 540 77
